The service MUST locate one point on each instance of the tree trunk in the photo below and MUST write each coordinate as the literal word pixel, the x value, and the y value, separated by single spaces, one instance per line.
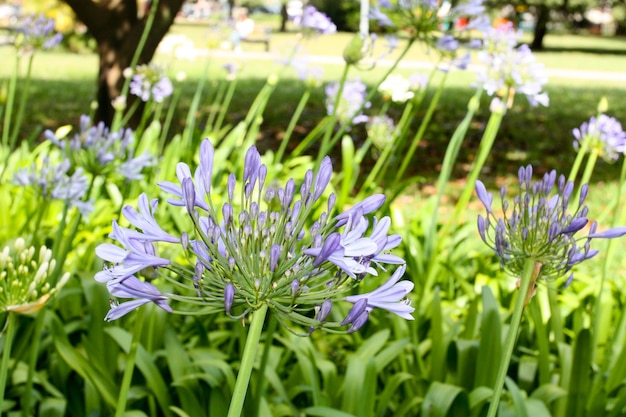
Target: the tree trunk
pixel 541 27
pixel 284 16
pixel 117 29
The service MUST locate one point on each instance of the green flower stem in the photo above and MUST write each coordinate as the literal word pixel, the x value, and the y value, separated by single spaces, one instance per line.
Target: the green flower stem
pixel 555 315
pixel 22 103
pixel 484 149
pixel 269 337
pixel 381 162
pixel 247 362
pixel 452 152
pixel 6 355
pixel 530 273
pixel 232 86
pixel 6 127
pixel 133 63
pixel 32 362
pixel 120 409
pixel 217 106
pixel 591 163
pixel 326 145
pixel 168 120
pixel 190 121
pixel 292 124
pixel 9 105
pixel 422 129
pixel 360 154
pixel 373 91
pixel 578 161
pixel 618 214
pixel 147 112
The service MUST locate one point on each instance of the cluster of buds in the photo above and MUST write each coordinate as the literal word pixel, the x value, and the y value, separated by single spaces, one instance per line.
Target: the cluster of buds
pixel 538 225
pixel 603 133
pixel 149 82
pixel 52 181
pixel 37 33
pixel 353 94
pixel 100 152
pixel 25 277
pixel 260 244
pixel 313 21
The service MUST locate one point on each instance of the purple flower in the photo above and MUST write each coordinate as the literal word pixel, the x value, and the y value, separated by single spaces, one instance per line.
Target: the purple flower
pixel 145 221
pixel 312 20
pixel 349 104
pixel 38 33
pixel 148 82
pixel 537 225
pixel 390 296
pixel 603 133
pixel 131 287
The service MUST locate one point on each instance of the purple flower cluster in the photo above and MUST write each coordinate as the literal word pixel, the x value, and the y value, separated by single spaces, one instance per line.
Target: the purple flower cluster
pixel 37 33
pixel 603 133
pixel 538 225
pixel 509 68
pixel 100 152
pixel 313 21
pixel 352 99
pixel 53 182
pixel 150 83
pixel 256 243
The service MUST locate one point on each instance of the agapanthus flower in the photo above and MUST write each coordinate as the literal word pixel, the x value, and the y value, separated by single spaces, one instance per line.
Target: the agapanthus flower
pixel 603 133
pixel 150 83
pixel 310 74
pixel 422 19
pixel 37 33
pixel 101 152
pixel 255 243
pixel 396 88
pixel 352 99
pixel 313 21
pixel 509 68
pixel 381 130
pixel 26 278
pixel 53 182
pixel 537 224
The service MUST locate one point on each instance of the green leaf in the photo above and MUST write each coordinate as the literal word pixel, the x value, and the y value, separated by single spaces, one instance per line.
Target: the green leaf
pixel 325 412
pixel 359 387
pixel 438 351
pixel 445 400
pixel 580 382
pixel 490 341
pixel 519 402
pixel 548 393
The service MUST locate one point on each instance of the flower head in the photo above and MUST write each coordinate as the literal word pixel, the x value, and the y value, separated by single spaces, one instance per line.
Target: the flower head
pixel 603 133
pixel 510 68
pixel 538 225
pixel 150 83
pixel 53 182
pixel 37 33
pixel 26 278
pixel 313 21
pixel 100 152
pixel 351 100
pixel 396 88
pixel 253 243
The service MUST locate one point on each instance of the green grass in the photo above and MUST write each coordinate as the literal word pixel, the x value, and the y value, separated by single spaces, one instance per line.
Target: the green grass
pixel 528 135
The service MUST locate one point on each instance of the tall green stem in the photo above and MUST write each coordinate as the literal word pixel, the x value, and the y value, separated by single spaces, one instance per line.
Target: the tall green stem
pixel 22 106
pixel 452 151
pixel 120 409
pixel 269 337
pixel 32 362
pixel 422 129
pixel 618 212
pixel 325 146
pixel 591 163
pixel 232 86
pixel 6 355
pixel 133 63
pixel 530 273
pixel 6 128
pixel 292 124
pixel 247 362
pixel 484 149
